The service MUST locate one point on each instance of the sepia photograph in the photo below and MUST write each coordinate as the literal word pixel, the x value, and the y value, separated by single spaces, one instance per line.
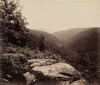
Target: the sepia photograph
pixel 49 42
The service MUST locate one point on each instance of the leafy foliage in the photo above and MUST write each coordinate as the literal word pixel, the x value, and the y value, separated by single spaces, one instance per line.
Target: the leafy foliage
pixel 14 33
pixel 13 24
pixel 13 63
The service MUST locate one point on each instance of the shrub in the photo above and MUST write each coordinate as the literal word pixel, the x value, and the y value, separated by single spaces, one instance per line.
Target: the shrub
pixel 13 64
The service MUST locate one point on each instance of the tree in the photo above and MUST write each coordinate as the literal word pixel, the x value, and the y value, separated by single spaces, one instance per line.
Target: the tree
pixel 12 23
pixel 14 34
pixel 41 43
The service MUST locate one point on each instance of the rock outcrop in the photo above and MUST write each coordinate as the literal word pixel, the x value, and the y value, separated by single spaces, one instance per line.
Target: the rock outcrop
pixel 50 72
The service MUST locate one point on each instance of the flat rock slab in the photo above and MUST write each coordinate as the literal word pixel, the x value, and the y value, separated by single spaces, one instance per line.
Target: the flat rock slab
pixel 50 72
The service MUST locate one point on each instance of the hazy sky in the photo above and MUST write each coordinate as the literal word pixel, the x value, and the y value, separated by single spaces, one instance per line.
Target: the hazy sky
pixel 55 15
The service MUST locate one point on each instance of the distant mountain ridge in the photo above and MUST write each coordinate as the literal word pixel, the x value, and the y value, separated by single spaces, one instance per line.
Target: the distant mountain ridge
pixel 67 34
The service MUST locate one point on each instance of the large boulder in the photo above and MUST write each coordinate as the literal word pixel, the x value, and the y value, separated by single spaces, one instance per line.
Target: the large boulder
pixel 50 72
pixel 60 71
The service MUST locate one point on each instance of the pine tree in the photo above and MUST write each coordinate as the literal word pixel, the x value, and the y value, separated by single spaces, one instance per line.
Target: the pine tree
pixel 41 43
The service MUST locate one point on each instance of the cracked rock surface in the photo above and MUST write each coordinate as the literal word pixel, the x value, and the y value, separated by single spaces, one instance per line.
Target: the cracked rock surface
pixel 51 72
